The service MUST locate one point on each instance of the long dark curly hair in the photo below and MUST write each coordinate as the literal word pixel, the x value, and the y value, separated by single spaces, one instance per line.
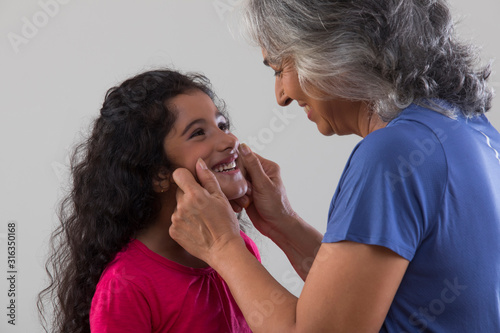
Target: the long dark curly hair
pixel 112 195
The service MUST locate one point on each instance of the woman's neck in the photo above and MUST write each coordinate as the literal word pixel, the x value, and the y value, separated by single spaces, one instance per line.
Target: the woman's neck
pixel 368 121
pixel 157 238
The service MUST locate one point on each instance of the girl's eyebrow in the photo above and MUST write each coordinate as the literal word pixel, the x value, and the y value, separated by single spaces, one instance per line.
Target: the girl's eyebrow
pixel 218 114
pixel 191 124
pixel 201 121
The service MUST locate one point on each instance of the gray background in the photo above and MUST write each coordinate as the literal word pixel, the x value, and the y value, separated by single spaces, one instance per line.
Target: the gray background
pixel 52 86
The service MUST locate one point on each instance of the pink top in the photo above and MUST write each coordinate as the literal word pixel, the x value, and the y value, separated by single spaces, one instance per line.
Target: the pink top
pixel 141 291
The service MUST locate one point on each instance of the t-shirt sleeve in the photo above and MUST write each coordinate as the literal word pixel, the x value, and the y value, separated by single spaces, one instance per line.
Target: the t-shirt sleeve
pixel 118 306
pixel 390 190
pixel 251 245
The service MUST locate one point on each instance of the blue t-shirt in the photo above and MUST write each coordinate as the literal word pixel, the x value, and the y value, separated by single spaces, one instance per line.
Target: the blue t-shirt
pixel 428 187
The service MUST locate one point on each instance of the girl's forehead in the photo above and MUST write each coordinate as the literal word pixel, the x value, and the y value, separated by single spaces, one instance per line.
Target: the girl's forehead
pixel 193 102
pixel 186 111
pixel 192 109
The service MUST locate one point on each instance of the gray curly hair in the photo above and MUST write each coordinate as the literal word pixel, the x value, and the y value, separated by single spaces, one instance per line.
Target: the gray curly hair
pixel 390 53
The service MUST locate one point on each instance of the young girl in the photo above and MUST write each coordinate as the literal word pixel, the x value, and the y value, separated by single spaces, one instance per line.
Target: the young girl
pixel 115 268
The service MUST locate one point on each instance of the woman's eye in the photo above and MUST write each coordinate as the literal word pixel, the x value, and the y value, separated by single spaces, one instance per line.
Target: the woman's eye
pixel 277 73
pixel 197 133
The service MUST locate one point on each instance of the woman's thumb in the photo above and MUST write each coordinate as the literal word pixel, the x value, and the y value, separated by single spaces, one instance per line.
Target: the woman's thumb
pixel 253 166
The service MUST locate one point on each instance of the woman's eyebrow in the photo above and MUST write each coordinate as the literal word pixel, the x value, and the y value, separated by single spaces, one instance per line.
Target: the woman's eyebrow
pixel 266 62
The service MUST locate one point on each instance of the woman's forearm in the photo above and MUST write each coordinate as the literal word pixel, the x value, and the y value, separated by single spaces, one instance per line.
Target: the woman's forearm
pixel 299 241
pixel 266 305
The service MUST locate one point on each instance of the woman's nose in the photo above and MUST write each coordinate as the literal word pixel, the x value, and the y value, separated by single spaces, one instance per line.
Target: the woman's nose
pixel 281 97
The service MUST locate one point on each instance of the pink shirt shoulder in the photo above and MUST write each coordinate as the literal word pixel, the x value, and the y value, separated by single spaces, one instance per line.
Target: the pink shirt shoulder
pixel 141 291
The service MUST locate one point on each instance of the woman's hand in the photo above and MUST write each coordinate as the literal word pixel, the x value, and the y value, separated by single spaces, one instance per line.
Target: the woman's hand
pixel 203 222
pixel 271 213
pixel 266 202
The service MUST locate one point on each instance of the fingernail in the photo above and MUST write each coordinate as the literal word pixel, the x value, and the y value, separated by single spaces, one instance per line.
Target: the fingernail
pixel 245 150
pixel 245 202
pixel 202 164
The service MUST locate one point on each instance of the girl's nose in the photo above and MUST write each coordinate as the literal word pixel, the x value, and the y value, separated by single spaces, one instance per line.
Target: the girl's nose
pixel 227 141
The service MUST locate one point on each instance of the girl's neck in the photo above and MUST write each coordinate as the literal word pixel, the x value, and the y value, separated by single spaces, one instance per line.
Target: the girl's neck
pixel 157 238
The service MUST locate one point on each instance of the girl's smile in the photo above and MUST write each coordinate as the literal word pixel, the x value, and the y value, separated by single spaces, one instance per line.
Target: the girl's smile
pixel 201 130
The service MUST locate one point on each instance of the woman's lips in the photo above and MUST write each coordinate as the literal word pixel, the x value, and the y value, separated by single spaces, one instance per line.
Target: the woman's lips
pixel 308 110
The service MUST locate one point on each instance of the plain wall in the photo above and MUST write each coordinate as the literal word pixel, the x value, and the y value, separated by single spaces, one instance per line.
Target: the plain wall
pixel 59 58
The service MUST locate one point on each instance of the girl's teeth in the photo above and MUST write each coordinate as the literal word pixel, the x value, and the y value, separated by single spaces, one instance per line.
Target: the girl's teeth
pixel 225 167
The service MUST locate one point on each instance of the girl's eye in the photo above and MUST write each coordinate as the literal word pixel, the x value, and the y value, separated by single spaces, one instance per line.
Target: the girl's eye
pixel 197 133
pixel 224 126
pixel 277 73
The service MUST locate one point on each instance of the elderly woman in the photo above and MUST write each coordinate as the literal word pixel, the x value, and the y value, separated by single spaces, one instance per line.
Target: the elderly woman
pixel 413 235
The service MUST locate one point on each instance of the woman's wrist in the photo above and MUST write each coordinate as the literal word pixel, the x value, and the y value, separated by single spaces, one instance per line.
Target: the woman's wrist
pixel 281 229
pixel 223 250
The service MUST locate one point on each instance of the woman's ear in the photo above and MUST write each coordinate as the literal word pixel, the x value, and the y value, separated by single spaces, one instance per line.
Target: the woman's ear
pixel 163 181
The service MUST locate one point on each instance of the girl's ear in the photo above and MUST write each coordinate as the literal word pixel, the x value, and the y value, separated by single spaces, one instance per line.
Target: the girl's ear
pixel 163 181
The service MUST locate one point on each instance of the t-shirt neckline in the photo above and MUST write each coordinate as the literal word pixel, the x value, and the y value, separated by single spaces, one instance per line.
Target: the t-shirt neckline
pixel 170 263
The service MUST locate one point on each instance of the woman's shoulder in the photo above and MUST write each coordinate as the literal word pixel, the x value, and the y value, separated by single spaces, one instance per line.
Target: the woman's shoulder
pixel 390 143
pixel 403 151
pixel 412 133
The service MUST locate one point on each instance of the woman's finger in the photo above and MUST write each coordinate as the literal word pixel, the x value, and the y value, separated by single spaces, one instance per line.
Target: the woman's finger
pixel 235 206
pixel 243 202
pixel 253 166
pixel 207 178
pixel 185 180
